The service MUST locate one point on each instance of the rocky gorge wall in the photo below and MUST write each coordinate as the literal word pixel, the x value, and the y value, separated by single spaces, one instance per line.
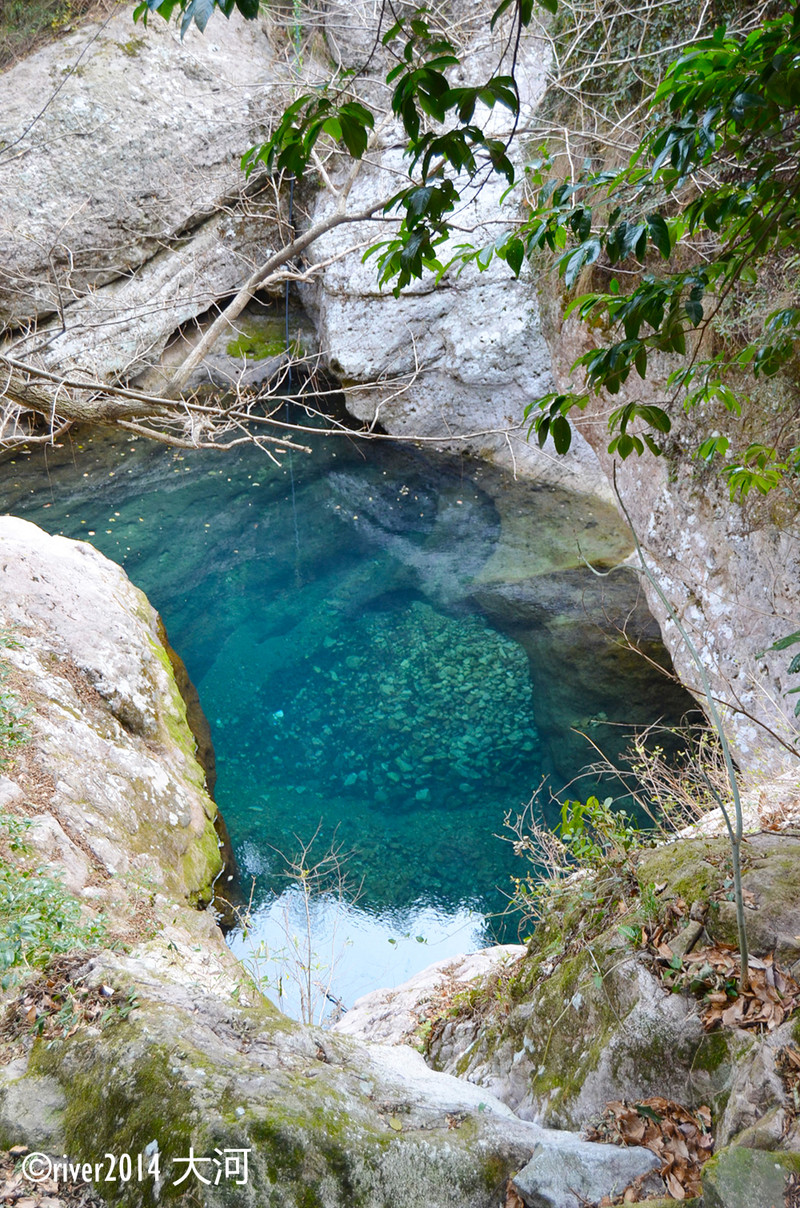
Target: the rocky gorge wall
pixel 149 1037
pixel 124 216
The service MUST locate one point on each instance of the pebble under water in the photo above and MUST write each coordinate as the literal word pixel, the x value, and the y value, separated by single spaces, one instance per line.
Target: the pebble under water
pixel 362 627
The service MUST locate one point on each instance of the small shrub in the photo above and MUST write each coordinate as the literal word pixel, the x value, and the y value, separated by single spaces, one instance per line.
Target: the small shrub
pixel 13 716
pixel 39 919
pixel 580 870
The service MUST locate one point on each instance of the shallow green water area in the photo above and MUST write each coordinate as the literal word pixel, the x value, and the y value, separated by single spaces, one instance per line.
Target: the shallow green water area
pixel 391 648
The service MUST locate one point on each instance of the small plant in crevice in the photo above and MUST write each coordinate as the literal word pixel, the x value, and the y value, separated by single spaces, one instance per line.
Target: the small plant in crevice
pixel 596 885
pixel 14 730
pixel 39 919
pixel 581 872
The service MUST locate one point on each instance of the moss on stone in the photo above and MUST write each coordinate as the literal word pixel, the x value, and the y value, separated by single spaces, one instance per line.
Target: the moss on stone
pixel 712 1052
pixel 691 868
pixel 122 1096
pixel 308 1149
pixel 201 865
pixel 666 1202
pixel 495 1175
pixel 132 47
pixel 258 340
pixel 173 715
pixel 580 1023
pixel 737 1177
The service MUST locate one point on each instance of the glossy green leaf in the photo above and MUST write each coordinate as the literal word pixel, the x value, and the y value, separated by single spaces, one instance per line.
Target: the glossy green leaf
pixel 784 643
pixel 515 254
pixel 659 234
pixel 561 432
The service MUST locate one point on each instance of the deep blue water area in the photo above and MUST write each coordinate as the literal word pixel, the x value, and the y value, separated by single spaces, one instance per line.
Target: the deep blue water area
pixel 392 649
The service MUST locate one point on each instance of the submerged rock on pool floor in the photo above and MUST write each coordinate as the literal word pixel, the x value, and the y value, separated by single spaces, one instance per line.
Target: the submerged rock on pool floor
pixel 417 720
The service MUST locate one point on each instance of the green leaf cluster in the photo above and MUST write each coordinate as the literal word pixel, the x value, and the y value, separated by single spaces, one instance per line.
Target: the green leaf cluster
pixel 14 731
pixel 39 919
pixel 197 12
pixel 721 166
pixel 592 831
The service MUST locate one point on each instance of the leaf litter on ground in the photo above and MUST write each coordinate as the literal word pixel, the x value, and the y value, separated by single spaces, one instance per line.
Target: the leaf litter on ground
pixel 712 973
pixel 681 1139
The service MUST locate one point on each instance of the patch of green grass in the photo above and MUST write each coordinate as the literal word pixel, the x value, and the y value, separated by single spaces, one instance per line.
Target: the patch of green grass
pixel 39 917
pixel 25 25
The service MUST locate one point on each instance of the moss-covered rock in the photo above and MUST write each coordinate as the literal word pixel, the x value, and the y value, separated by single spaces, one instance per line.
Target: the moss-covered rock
pixel 324 1122
pixel 667 1203
pixel 585 1017
pixel 772 882
pixel 744 1178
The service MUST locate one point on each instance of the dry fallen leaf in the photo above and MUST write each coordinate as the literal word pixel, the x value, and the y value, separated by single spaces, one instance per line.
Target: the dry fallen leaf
pixel 679 1138
pixel 513 1198
pixel 773 993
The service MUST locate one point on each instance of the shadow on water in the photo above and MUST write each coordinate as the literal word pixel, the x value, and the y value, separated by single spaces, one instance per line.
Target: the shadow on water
pixel 406 671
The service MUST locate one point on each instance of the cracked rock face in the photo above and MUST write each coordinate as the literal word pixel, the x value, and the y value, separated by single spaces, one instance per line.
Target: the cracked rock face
pixel 463 359
pixel 108 208
pixel 729 569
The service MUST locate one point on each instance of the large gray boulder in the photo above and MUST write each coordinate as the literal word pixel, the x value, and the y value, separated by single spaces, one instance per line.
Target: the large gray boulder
pixel 122 204
pixel 111 767
pixel 568 1172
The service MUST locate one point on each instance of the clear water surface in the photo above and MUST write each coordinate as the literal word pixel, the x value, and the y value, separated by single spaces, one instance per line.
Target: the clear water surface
pixel 391 650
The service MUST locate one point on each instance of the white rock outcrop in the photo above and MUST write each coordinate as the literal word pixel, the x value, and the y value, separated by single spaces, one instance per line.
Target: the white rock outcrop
pixel 394 1016
pixel 122 203
pixel 110 768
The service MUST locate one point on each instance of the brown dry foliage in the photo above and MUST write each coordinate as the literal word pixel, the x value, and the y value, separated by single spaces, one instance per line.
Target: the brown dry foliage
pixel 679 1138
pixel 57 1003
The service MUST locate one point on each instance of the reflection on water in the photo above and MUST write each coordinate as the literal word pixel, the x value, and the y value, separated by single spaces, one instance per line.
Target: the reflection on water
pixel 315 965
pixel 393 646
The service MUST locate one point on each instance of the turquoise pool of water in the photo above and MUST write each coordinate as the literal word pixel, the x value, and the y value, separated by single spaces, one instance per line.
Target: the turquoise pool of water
pixel 364 629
